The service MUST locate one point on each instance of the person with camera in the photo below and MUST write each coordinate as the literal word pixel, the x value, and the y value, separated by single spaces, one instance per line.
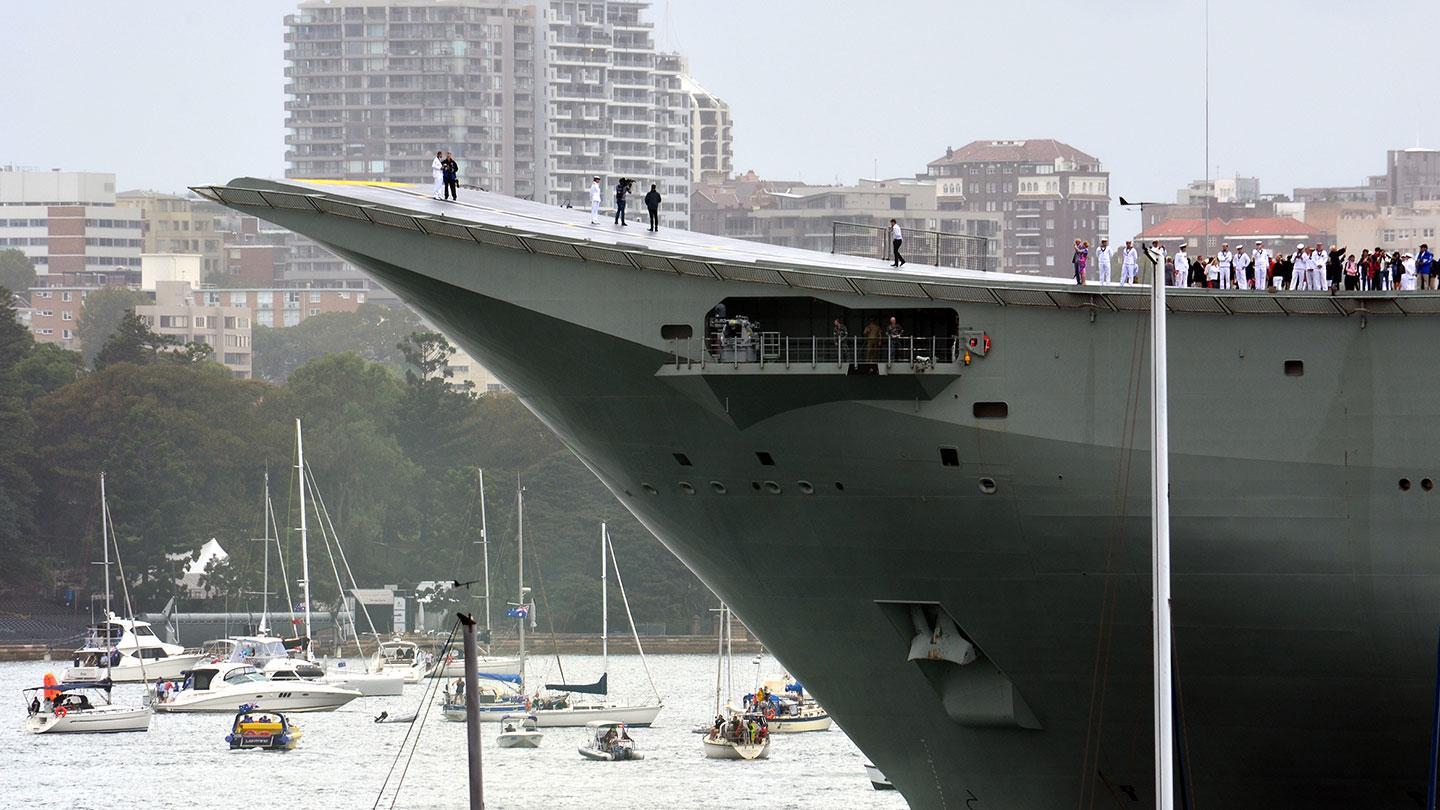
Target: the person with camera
pixel 622 191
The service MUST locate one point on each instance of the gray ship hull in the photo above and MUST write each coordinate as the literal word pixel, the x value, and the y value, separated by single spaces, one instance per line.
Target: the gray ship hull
pixel 1304 576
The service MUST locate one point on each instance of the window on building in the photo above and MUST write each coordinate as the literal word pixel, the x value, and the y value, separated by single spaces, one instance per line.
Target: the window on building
pixel 67 315
pixel 292 317
pixel 67 334
pixel 65 296
pixel 238 299
pixel 314 296
pixel 200 321
pixel 314 310
pixel 265 317
pixel 1049 224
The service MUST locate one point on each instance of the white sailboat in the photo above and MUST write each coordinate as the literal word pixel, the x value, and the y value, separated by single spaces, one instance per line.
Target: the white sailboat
pixel 571 705
pixel 745 736
pixel 67 709
pixel 124 650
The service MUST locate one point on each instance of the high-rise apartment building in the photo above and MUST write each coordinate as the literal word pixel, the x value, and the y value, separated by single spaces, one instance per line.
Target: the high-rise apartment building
pixel 69 226
pixel 1049 194
pixel 712 147
pixel 1413 176
pixel 533 98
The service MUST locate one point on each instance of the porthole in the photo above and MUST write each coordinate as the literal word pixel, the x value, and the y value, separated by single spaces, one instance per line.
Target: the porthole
pixel 1426 484
pixel 718 487
pixel 772 487
pixel 755 485
pixel 687 488
pixel 839 487
pixel 1294 368
pixel 987 486
pixel 1404 484
pixel 806 488
pixel 650 489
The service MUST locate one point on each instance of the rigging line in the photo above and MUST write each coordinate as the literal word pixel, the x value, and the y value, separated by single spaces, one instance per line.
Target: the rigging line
pixel 634 632
pixel 1100 672
pixel 330 554
pixel 414 728
pixel 323 513
pixel 280 555
pixel 549 616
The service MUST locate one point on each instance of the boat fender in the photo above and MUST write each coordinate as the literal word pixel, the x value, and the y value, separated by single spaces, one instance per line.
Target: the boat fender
pixel 61 711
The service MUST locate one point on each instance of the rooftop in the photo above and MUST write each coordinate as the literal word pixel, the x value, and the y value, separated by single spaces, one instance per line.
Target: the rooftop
pixel 1042 150
pixel 1258 227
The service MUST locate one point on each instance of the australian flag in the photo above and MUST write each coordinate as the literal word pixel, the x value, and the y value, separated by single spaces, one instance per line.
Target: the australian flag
pixel 518 612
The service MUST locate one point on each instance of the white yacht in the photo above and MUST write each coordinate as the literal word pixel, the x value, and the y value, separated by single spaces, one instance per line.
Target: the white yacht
pixel 115 647
pixel 743 737
pixel 67 709
pixel 403 657
pixel 224 686
pixel 496 698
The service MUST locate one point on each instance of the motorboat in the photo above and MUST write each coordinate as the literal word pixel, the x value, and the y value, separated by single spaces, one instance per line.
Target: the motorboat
pixel 496 699
pixel 519 731
pixel 113 650
pixel 258 729
pixel 223 686
pixel 877 779
pixel 609 742
pixel 404 657
pixel 67 708
pixel 743 737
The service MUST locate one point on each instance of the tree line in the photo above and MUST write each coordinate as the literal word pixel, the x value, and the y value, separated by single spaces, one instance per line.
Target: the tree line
pixel 393 446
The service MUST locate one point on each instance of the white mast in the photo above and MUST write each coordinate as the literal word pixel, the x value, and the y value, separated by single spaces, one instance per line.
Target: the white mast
pixel 719 655
pixel 485 552
pixel 265 586
pixel 105 542
pixel 304 536
pixel 1160 532
pixel 520 569
pixel 604 603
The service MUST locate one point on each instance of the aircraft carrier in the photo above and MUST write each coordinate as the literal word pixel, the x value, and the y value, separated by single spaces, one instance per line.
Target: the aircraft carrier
pixel 945 536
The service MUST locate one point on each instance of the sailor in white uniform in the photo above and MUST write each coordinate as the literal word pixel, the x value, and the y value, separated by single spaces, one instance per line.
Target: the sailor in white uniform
pixel 437 172
pixel 1226 261
pixel 1319 268
pixel 595 196
pixel 1182 266
pixel 1156 254
pixel 1260 266
pixel 1102 260
pixel 1129 263
pixel 1300 277
pixel 1242 266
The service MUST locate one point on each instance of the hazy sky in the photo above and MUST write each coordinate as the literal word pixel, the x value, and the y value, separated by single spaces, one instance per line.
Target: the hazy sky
pixel 167 93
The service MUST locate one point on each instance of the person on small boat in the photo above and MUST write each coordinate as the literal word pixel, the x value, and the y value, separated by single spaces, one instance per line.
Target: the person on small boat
pixel 509 727
pixel 34 705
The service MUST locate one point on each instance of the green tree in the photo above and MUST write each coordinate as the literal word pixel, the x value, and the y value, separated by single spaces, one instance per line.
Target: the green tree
pixel 16 270
pixel 372 332
pixel 17 488
pixel 102 314
pixel 47 368
pixel 135 342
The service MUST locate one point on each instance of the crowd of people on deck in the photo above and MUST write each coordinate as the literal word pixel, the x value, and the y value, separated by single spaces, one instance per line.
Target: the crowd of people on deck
pixel 751 729
pixel 1309 267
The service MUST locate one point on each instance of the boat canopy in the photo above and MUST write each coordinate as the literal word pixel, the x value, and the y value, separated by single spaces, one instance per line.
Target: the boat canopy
pixel 70 686
pixel 597 688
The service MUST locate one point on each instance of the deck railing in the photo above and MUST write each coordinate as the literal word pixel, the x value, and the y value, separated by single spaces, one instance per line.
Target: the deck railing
pixel 772 348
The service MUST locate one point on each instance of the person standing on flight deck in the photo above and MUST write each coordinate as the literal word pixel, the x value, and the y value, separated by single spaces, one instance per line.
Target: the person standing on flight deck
pixel 1129 263
pixel 1156 254
pixel 451 175
pixel 437 173
pixel 1260 264
pixel 595 196
pixel 1225 260
pixel 652 205
pixel 896 238
pixel 1102 261
pixel 622 190
pixel 1182 266
pixel 1242 264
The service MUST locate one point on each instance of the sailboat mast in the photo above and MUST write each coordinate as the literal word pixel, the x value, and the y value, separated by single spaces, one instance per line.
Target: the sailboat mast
pixel 719 654
pixel 304 533
pixel 105 541
pixel 485 551
pixel 604 602
pixel 520 569
pixel 265 580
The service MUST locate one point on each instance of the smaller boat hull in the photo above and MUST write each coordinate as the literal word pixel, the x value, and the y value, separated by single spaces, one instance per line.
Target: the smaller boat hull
pixel 519 739
pixel 489 712
pixel 608 756
pixel 797 725
pixel 725 749
pixel 877 779
pixel 299 698
pixel 633 716
pixel 100 720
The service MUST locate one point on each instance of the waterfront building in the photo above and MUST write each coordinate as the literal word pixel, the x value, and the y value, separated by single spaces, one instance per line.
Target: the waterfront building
pixel 1048 194
pixel 55 314
pixel 280 307
pixel 173 224
pixel 1412 176
pixel 1279 234
pixel 712 147
pixel 1235 189
pixel 68 222
pixel 1391 227
pixel 157 267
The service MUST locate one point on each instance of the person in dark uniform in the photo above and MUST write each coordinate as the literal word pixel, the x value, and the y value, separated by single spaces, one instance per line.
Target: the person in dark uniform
pixel 450 175
pixel 652 204
pixel 622 191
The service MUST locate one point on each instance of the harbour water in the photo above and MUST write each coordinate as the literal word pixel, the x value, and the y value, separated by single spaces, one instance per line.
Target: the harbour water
pixel 342 761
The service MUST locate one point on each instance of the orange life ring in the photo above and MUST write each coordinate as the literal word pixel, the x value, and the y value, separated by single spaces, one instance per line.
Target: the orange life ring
pixel 769 714
pixel 61 711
